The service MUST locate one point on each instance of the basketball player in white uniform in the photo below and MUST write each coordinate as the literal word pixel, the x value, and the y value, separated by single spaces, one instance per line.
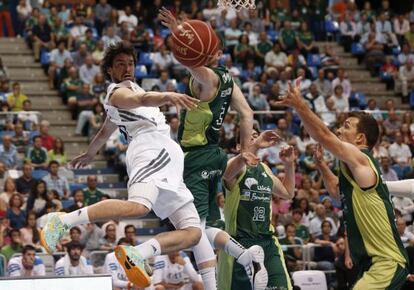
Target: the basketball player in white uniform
pixel 154 165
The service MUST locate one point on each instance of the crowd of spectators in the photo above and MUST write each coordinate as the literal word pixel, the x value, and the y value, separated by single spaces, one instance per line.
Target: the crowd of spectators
pixel 264 50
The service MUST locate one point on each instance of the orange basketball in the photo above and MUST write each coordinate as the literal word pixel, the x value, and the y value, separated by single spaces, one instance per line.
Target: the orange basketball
pixel 194 43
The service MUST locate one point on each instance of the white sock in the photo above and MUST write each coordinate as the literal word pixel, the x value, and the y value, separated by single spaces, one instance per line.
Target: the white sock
pixel 77 217
pixel 149 249
pixel 233 248
pixel 209 278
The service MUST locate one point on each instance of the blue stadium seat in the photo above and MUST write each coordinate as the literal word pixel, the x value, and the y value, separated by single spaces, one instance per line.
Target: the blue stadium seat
pixel 39 173
pixel 150 32
pixel 357 48
pixel 141 71
pixel 270 126
pixel 150 231
pixel 358 100
pixel 412 100
pixel 313 60
pixel 164 32
pixel 273 35
pixel 331 26
pixel 95 33
pixel 45 57
pixel 145 59
pixel 396 50
pixel 66 203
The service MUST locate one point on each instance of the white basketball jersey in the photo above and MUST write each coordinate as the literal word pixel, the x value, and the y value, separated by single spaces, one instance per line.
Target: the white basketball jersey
pixel 135 121
pixel 165 271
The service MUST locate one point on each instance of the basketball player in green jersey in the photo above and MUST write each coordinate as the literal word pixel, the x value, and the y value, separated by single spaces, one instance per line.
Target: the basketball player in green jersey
pixel 248 212
pixel 205 161
pixel 375 244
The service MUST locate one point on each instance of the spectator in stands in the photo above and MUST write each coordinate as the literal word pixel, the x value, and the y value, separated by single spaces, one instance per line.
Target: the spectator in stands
pixel 15 99
pixel 8 153
pixel 26 182
pixel 405 79
pixel 340 99
pixel 388 73
pixel 306 189
pixel 111 266
pixel 346 272
pixel 175 271
pixel 91 236
pixel 30 234
pixel 98 53
pixel 405 54
pixel 41 36
pixel 20 138
pixel 232 34
pixel 78 31
pixel 322 84
pixel 80 55
pixel 287 37
pixel 401 155
pixel 374 54
pixel 88 70
pixel 91 192
pixel 6 16
pixel 392 124
pixel 96 120
pixel 163 81
pixel 73 263
pixel 47 139
pixel 99 87
pixel 258 102
pixel 409 36
pixel 15 214
pixel 37 154
pixel 89 40
pixel 283 129
pixel 405 206
pixel 110 37
pixel 325 255
pixel 383 26
pixel 162 60
pixel 57 60
pixel 293 254
pixel 388 174
pixel 58 152
pixel 302 231
pixel 26 265
pixel 56 182
pixel 3 174
pixel 81 107
pixel 401 27
pixel 130 234
pixel 78 200
pixel 243 50
pixel 305 40
pixel 344 82
pixel 315 226
pixel 315 99
pixel 108 242
pixel 37 198
pixel 9 190
pixel 348 29
pixel 28 118
pixel 263 46
pixel 24 10
pixel 129 18
pixel 49 207
pixel 15 245
pixel 103 12
pixel 174 123
pixel 406 236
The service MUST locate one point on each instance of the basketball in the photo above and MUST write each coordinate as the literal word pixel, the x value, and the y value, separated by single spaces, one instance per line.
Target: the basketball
pixel 194 43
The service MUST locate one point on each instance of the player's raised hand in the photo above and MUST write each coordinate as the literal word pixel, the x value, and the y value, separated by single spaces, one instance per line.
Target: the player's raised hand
pixel 287 154
pixel 182 101
pixel 267 139
pixel 167 18
pixel 81 160
pixel 318 153
pixel 250 159
pixel 292 97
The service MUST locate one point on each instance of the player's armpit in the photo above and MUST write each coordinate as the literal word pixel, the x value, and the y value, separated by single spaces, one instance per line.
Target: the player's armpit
pixel 205 76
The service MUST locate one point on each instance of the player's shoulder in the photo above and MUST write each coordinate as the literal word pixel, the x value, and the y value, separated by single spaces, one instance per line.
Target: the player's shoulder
pixel 60 262
pixel 15 261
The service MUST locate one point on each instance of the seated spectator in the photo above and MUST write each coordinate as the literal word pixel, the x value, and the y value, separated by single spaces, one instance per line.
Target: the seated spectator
pixel 163 81
pixel 9 190
pixel 129 18
pixel 78 201
pixel 26 265
pixel 301 141
pixel 41 37
pixel 108 242
pixel 293 255
pixel 14 213
pixel 315 226
pixel 344 82
pixel 175 270
pixel 111 266
pixel 388 174
pixel 406 236
pixel 99 88
pixel 401 155
pixel 91 236
pixel 37 198
pixel 47 139
pixel 405 54
pixel 348 29
pixel 37 154
pixel 388 73
pixel 162 60
pixel 302 231
pixel 98 53
pixel 346 277
pixel 174 125
pixel 15 99
pixel 88 71
pixel 232 34
pixel 263 46
pixel 401 27
pixel 82 107
pixel 26 182
pixel 91 192
pixel 109 37
pixel 73 263
pixel 405 206
pixel 71 86
pixel 243 49
pixel 56 182
pixel 15 246
pixel 78 31
pixel 96 120
pixel 130 234
pixel 89 40
pixel 405 79
pixel 57 60
pixel 392 124
pixel 258 102
pixel 340 99
pixel 307 191
pixel 20 138
pixel 58 152
pixel 305 40
pixel 287 37
pixel 325 255
pixel 374 55
pixel 8 153
pixel 29 119
pixel 383 26
pixel 315 100
pixel 295 61
pixel 30 234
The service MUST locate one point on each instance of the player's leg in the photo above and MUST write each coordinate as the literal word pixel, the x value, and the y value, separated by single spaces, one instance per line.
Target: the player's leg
pixel 275 264
pixel 252 259
pixel 383 274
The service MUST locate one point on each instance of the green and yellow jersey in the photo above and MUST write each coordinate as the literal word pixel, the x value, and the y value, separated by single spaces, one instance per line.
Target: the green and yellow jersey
pixel 201 126
pixel 370 220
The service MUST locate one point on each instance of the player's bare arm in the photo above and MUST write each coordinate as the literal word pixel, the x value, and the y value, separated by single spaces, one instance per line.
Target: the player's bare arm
pixel 287 189
pixel 330 180
pixel 98 141
pixel 351 155
pixel 125 98
pixel 240 105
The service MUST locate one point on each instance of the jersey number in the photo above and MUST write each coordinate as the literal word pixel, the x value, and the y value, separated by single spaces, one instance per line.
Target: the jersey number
pixel 259 214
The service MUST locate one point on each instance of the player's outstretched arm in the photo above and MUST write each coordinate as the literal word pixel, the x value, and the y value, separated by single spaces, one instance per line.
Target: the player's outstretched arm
pixel 401 188
pixel 287 155
pixel 98 141
pixel 239 103
pixel 357 161
pixel 124 98
pixel 330 180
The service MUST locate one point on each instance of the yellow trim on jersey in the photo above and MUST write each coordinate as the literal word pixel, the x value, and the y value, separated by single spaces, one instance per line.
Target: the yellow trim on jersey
pixel 282 260
pixel 372 220
pixel 270 173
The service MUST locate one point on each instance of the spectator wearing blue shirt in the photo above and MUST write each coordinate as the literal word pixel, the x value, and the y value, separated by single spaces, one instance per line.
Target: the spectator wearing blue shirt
pixel 56 182
pixel 8 153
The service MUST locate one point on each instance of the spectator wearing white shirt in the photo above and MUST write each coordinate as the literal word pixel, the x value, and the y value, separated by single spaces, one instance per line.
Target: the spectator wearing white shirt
pixel 405 206
pixel 232 35
pixel 28 117
pixel 88 71
pixel 329 117
pixel 323 85
pixel 348 29
pixel 401 27
pixel 405 54
pixel 315 100
pixel 175 271
pixel 275 59
pixel 78 31
pixel 24 10
pixel 26 265
pixel 407 237
pixel 211 11
pixel 73 264
pixel 340 99
pixel 405 78
pixel 374 110
pixel 129 18
pixel 110 38
pixel 162 59
pixel 253 36
pixel 400 154
pixel 344 82
pixel 388 174
pixel 57 61
pixel 384 27
pixel 304 83
pixel 315 224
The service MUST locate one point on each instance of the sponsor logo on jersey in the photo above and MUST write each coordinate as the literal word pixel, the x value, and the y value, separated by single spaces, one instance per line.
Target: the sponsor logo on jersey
pixel 260 197
pixel 205 174
pixel 245 195
pixel 264 188
pixel 250 181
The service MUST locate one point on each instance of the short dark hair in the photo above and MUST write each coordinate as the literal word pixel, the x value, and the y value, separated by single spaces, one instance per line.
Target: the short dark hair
pixel 52 162
pixel 28 248
pixel 74 245
pixel 368 126
pixel 77 229
pixel 124 241
pixel 114 50
pixel 127 227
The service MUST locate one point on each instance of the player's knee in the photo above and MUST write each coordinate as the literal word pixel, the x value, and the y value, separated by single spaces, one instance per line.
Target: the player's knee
pixel 193 236
pixel 198 286
pixel 134 209
pixel 159 287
